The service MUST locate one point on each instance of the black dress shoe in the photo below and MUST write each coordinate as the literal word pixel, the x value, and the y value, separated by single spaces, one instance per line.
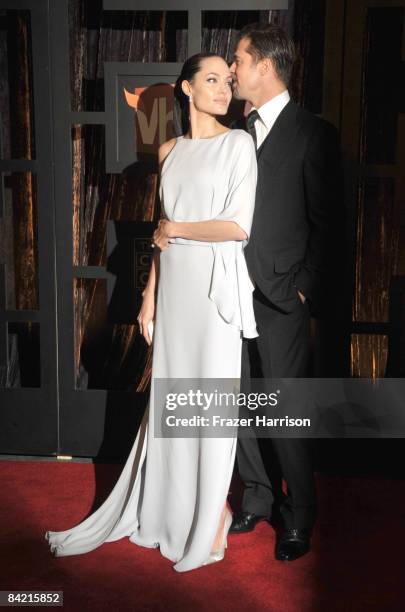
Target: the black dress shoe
pixel 292 544
pixel 243 522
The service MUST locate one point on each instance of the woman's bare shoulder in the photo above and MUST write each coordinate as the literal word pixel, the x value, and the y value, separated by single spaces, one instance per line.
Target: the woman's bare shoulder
pixel 165 149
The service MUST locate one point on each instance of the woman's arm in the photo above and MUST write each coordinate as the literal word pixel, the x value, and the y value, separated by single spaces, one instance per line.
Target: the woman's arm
pixel 151 285
pixel 203 231
pixel 147 311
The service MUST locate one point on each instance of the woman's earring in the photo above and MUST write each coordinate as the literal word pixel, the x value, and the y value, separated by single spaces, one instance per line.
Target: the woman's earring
pixel 190 98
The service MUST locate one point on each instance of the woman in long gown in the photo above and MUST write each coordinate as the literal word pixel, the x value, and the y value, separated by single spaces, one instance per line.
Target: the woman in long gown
pixel 172 492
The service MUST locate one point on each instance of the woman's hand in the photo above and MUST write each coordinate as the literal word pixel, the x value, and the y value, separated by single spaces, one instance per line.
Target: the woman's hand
pixel 146 315
pixel 164 231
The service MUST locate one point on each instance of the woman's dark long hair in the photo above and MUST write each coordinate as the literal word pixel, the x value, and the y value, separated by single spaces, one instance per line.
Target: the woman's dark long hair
pixel 191 66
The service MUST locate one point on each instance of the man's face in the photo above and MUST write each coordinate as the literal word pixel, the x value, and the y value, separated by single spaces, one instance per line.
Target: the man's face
pixel 245 72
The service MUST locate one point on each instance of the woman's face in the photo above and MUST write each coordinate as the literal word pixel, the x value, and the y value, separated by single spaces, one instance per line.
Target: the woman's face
pixel 211 88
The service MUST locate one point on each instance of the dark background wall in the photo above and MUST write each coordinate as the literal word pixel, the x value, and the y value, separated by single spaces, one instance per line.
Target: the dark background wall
pixel 74 371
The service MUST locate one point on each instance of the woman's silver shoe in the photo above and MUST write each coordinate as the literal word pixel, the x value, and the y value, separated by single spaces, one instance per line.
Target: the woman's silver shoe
pixel 218 555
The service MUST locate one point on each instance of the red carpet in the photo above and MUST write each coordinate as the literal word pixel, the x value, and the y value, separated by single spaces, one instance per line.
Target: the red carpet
pixel 357 563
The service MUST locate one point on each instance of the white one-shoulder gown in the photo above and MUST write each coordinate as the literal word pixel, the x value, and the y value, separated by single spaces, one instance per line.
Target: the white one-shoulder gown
pixel 172 491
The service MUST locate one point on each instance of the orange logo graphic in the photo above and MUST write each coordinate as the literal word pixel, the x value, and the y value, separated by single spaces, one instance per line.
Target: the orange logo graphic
pixel 153 115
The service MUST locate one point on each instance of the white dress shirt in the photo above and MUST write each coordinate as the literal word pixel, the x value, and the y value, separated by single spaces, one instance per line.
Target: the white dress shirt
pixel 269 111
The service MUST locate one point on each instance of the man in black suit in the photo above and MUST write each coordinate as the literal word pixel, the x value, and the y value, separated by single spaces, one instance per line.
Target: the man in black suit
pixel 298 185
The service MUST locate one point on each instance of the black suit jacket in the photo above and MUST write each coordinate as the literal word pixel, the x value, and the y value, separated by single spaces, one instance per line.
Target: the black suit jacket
pixel 299 192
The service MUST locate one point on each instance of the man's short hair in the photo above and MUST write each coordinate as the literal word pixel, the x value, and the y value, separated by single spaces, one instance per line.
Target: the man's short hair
pixel 270 41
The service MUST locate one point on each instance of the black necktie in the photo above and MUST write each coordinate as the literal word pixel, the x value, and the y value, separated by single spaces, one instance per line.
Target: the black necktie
pixel 250 123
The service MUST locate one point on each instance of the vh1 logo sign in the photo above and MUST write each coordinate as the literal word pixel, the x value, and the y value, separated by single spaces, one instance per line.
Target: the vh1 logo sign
pixel 153 116
pixel 139 114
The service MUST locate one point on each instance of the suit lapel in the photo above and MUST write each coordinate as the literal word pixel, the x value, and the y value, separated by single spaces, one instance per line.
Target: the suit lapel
pixel 277 142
